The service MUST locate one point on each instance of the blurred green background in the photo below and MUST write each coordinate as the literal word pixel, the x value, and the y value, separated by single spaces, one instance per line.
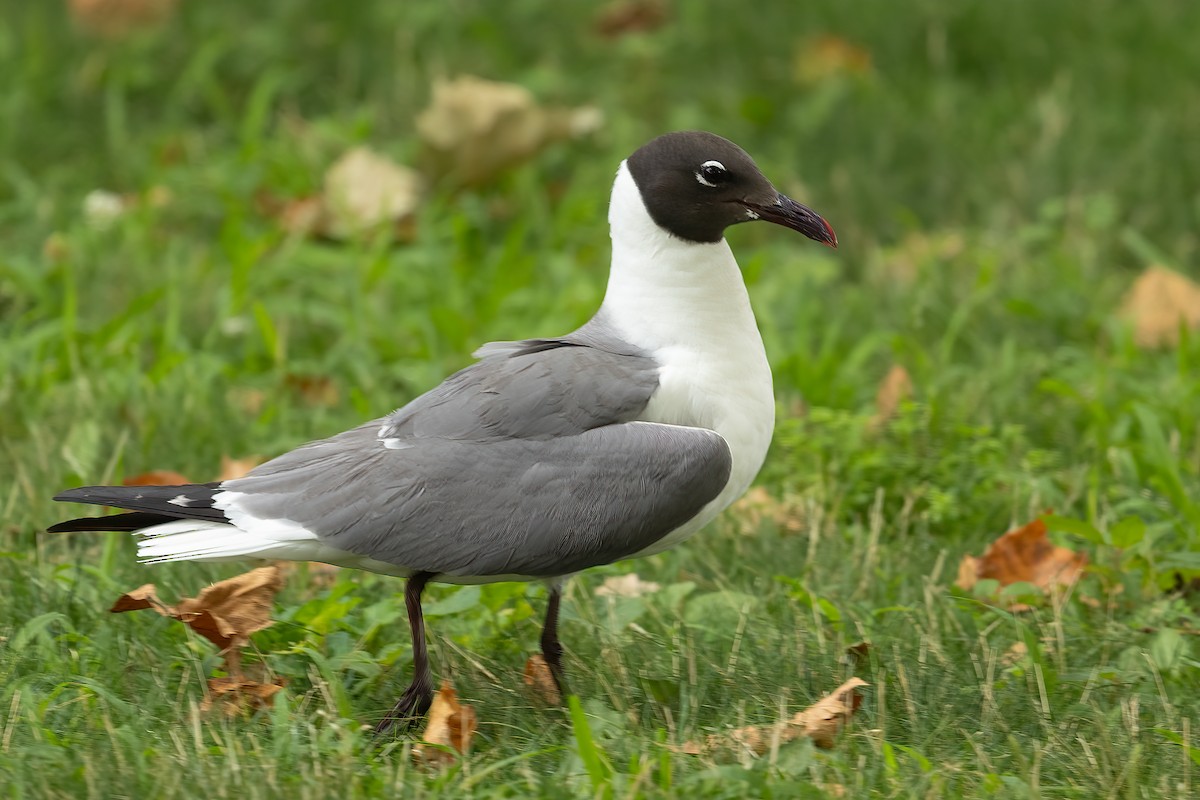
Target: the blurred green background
pixel 999 174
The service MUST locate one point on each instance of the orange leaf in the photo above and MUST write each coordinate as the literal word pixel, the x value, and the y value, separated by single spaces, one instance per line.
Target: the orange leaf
pixel 1159 303
pixel 117 19
pixel 316 390
pixel 895 388
pixel 828 57
pixel 451 725
pixel 225 613
pixel 630 16
pixel 234 468
pixel 820 722
pixel 156 477
pixel 235 696
pixel 1023 554
pixel 540 681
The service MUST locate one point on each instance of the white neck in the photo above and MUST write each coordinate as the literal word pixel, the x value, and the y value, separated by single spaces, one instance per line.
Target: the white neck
pixel 685 304
pixel 665 291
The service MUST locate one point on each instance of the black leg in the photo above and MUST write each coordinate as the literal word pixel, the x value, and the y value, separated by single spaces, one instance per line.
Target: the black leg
pixel 552 649
pixel 419 694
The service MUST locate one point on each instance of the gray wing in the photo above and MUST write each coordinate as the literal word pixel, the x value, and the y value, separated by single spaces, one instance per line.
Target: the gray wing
pixel 526 463
pixel 536 389
pixel 535 508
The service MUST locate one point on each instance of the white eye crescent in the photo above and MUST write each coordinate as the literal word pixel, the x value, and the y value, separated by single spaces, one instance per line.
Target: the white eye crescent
pixel 710 172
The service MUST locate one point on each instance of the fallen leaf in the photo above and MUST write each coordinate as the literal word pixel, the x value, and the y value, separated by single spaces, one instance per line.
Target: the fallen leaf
pixel 1158 304
pixel 1023 554
pixel 156 477
pixel 142 597
pixel 250 401
pixel 302 216
pixel 117 19
pixel 55 248
pixel 234 468
pixel 828 57
pixel 823 719
pixel 236 696
pixel 894 389
pixel 758 506
pixel 225 613
pixel 820 722
pixel 626 586
pixel 365 191
pixel 630 16
pixel 475 129
pixel 102 208
pixel 1014 654
pixel 859 652
pixel 315 390
pixel 451 725
pixel 540 680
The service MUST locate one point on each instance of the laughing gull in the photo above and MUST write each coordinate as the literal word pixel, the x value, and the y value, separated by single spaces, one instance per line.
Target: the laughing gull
pixel 546 456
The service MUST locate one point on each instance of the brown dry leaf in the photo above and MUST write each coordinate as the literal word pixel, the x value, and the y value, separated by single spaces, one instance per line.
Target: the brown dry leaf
pixel 234 468
pixel 626 586
pixel 302 216
pixel 116 19
pixel 623 17
pixel 540 681
pixel 1158 304
pixel 315 390
pixel 365 191
pixel 828 57
pixel 474 129
pixel 859 652
pixel 451 724
pixel 225 613
pixel 823 719
pixel 1014 654
pixel 250 401
pixel 142 597
pixel 237 696
pixel 156 477
pixel 1023 555
pixel 820 722
pixel 894 389
pixel 55 249
pixel 758 506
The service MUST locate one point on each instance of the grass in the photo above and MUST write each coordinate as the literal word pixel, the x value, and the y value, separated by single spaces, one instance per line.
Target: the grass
pixel 998 179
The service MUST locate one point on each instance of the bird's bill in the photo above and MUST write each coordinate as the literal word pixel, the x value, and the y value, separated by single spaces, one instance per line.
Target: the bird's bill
pixel 787 212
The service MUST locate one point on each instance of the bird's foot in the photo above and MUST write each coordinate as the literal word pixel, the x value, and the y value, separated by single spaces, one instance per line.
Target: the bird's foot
pixel 411 706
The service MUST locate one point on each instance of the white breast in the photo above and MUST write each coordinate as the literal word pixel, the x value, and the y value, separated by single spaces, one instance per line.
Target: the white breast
pixel 686 304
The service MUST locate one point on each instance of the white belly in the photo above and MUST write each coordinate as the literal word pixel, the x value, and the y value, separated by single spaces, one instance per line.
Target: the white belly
pixel 733 397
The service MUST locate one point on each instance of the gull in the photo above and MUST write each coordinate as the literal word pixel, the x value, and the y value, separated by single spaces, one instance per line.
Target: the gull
pixel 546 456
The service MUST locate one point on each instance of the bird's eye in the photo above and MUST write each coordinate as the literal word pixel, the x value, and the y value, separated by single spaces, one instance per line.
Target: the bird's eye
pixel 711 173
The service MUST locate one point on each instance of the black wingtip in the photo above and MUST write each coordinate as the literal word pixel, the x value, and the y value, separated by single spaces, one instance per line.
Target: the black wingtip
pixel 192 500
pixel 131 521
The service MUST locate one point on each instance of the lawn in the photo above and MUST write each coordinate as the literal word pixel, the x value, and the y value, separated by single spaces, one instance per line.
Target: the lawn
pixel 999 175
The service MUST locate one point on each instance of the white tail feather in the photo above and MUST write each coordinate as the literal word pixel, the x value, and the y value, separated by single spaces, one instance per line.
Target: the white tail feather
pixel 204 540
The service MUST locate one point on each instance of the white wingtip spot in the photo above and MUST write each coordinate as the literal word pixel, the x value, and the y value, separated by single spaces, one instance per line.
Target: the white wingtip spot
pixel 396 444
pixel 180 500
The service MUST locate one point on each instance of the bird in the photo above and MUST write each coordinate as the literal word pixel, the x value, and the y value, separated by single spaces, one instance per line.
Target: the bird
pixel 545 456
